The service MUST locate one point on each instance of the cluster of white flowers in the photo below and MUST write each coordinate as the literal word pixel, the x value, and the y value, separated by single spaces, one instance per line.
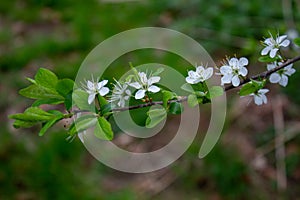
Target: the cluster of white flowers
pixel 121 93
pixel 232 71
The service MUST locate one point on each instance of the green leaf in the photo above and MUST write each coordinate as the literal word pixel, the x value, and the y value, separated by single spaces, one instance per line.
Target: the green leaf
pixel 33 114
pixel 297 41
pixel 215 91
pixel 267 59
pixel 175 108
pixel 102 101
pixel 80 99
pixel 103 129
pixel 247 89
pixel 167 95
pixel 49 124
pixel 47 101
pixel 23 124
pixel 187 87
pixel 64 86
pixel 46 78
pixel 84 123
pixel 158 71
pixel 39 92
pixel 251 87
pixel 192 100
pixel 106 109
pixel 155 116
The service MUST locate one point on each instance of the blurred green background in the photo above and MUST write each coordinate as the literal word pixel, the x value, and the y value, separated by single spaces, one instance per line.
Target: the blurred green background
pixel 59 34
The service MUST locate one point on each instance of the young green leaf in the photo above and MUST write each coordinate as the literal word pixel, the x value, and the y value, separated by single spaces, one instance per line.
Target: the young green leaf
pixel 85 123
pixel 215 91
pixel 175 108
pixel 167 95
pixel 24 124
pixel 33 114
pixel 64 86
pixel 49 124
pixel 46 78
pixel 155 116
pixel 47 101
pixel 267 59
pixel 39 92
pixel 187 87
pixel 192 100
pixel 247 89
pixel 103 129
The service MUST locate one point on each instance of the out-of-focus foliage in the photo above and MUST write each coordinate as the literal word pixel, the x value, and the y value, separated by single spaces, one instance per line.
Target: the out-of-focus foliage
pixel 58 34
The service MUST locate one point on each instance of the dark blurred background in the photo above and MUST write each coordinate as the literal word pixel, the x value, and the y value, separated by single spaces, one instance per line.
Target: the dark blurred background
pixel 59 34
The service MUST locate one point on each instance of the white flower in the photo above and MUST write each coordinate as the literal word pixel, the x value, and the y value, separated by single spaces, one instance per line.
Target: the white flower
pixel 94 87
pixel 273 45
pixel 281 76
pixel 233 70
pixel 144 84
pixel 120 93
pixel 260 97
pixel 200 75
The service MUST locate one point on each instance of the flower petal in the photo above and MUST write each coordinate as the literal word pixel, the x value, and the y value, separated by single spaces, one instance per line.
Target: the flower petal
pixel 243 71
pixel 91 98
pixel 139 94
pixel 235 81
pixel 258 100
pixel 273 52
pixel 265 51
pixel 153 79
pixel 225 70
pixel 284 80
pixel 285 43
pixel 136 85
pixel 103 91
pixel 226 79
pixel 274 78
pixel 190 80
pixel 271 66
pixel 90 85
pixel 280 39
pixel 101 84
pixel 153 89
pixel 243 61
pixel 208 73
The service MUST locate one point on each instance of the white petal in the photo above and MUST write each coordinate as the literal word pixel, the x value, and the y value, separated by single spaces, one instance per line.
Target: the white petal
pixel 103 91
pixel 121 103
pixel 235 81
pixel 243 71
pixel 258 100
pixel 280 39
pixel 264 99
pixel 153 89
pixel 274 78
pixel 284 80
pixel 226 79
pixel 273 52
pixel 136 85
pixel 269 41
pixel 139 94
pixel 289 70
pixel 271 66
pixel 91 98
pixel 265 51
pixel 143 77
pixel 243 61
pixel 90 85
pixel 101 84
pixel 225 70
pixel 128 92
pixel 208 73
pixel 190 80
pixel 285 43
pixel 153 79
pixel 200 69
pixel 263 91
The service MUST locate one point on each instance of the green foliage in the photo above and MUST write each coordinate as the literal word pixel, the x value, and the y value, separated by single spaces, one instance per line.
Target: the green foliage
pixel 167 95
pixel 155 116
pixel 103 129
pixel 215 91
pixel 251 87
pixel 192 100
pixel 297 41
pixel 176 108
